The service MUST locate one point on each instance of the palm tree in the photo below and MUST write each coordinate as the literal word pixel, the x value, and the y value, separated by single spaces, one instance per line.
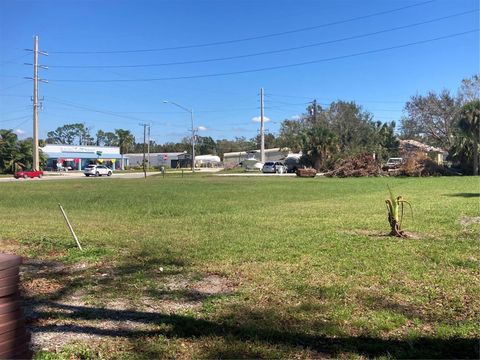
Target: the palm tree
pixel 469 124
pixel 8 150
pixel 319 143
pixel 125 142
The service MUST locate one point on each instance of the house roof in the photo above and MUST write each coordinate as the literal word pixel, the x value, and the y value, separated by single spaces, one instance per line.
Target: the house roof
pixel 256 151
pixel 409 144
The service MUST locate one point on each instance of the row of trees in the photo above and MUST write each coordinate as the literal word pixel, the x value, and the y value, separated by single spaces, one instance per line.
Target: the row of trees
pixel 79 134
pixel 342 130
pixel 449 121
pixel 15 152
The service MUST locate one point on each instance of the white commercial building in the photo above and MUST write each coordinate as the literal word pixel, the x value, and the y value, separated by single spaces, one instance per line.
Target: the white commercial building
pixel 73 157
pixel 170 160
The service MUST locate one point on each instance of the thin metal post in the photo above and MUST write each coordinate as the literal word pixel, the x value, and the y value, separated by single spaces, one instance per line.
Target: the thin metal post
pixel 70 227
pixel 262 132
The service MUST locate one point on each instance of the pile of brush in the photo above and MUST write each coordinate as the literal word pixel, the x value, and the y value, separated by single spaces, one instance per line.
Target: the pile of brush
pixel 308 172
pixel 360 165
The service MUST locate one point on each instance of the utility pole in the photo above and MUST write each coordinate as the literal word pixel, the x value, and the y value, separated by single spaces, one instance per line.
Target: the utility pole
pixel 148 149
pixel 35 155
pixel 315 110
pixel 144 146
pixel 262 133
pixel 193 128
pixel 193 142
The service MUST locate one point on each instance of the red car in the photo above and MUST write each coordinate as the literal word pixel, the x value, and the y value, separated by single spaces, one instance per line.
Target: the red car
pixel 28 174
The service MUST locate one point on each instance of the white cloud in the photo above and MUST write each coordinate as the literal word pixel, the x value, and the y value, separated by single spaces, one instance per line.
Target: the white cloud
pixel 258 119
pixel 295 117
pixel 202 128
pixel 20 132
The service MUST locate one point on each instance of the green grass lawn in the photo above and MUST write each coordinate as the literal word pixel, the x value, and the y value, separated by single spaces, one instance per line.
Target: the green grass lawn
pixel 251 267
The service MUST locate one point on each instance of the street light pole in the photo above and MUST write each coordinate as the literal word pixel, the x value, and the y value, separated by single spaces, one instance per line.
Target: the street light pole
pixel 193 128
pixel 193 142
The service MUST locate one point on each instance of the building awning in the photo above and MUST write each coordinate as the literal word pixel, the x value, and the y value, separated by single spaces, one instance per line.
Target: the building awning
pixel 80 155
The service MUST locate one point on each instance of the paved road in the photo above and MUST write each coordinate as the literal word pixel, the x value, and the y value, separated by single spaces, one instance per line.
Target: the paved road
pixel 79 175
pixel 255 174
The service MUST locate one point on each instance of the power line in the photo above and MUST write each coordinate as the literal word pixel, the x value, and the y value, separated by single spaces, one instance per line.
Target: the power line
pixel 15 118
pixel 272 67
pixel 94 110
pixel 23 109
pixel 108 112
pixel 281 104
pixel 309 97
pixel 309 28
pixel 23 122
pixel 15 85
pixel 14 95
pixel 265 52
pixel 13 60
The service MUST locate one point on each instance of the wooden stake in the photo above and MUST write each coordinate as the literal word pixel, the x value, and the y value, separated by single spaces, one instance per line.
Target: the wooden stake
pixel 70 227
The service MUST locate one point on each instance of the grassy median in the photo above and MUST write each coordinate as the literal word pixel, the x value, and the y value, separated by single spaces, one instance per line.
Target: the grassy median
pixel 206 266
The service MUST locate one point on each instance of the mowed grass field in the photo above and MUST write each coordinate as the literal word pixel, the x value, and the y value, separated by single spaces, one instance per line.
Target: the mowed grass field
pixel 230 267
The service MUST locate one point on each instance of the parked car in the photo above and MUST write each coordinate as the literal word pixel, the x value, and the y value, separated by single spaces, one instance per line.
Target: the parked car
pixel 392 164
pixel 292 164
pixel 97 170
pixel 274 167
pixel 28 174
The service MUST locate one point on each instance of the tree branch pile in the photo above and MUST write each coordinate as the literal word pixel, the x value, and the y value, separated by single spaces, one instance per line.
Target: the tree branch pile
pixel 419 164
pixel 360 165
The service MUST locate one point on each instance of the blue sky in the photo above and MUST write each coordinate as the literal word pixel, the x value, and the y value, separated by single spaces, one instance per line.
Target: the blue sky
pixel 380 81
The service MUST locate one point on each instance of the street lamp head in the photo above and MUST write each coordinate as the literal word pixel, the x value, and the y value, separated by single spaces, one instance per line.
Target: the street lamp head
pixel 165 101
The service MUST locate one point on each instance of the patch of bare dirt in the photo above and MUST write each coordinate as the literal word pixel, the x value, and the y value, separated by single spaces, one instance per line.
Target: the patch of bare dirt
pixel 211 284
pixel 9 246
pixel 58 315
pixel 385 234
pixel 467 221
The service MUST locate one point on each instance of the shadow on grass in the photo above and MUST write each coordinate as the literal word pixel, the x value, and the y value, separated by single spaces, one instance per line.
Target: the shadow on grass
pixel 465 195
pixel 181 326
pixel 239 325
pixel 103 276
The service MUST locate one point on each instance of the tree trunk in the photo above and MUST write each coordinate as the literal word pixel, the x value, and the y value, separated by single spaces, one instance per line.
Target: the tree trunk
pixel 395 228
pixel 475 157
pixel 318 163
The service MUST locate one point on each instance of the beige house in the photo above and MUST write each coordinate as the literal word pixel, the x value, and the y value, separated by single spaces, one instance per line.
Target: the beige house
pixel 412 146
